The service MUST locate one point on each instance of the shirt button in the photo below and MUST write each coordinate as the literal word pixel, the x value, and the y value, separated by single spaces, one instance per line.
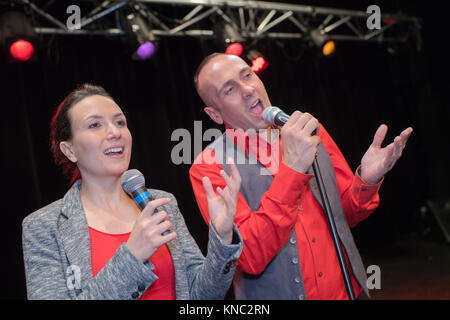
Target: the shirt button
pixel 295 260
pixel 301 297
pixel 297 279
pixel 320 274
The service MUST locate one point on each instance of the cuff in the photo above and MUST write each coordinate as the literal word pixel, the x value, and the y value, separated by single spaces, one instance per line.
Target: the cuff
pixel 362 191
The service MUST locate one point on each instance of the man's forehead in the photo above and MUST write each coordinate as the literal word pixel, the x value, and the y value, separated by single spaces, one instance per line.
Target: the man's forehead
pixel 221 67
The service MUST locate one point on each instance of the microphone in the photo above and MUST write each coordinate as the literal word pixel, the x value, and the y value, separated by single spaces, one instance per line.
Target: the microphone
pixel 133 183
pixel 276 116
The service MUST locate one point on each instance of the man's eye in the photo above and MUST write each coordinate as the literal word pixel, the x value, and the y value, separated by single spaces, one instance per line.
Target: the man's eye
pixel 229 90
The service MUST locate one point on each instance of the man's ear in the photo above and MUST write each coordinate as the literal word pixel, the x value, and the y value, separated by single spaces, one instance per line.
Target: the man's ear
pixel 66 149
pixel 214 115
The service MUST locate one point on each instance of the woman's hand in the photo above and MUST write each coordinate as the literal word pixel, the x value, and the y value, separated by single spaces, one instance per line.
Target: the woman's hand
pixel 146 236
pixel 222 207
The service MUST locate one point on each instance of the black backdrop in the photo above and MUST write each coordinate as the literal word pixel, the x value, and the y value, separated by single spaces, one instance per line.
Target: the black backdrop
pixel 351 93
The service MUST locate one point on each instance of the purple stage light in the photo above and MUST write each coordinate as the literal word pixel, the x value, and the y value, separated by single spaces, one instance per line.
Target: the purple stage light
pixel 146 50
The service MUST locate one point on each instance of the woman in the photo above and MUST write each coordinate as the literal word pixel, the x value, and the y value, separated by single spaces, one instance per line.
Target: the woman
pixel 95 243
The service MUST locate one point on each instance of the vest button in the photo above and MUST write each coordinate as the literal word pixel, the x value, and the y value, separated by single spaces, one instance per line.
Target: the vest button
pixel 295 260
pixel 297 279
pixel 135 295
pixel 293 240
pixel 313 240
pixel 320 274
pixel 301 297
pixel 300 207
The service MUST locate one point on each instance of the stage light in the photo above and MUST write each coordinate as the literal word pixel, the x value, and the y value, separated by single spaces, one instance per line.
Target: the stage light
pixel 138 36
pixel 18 38
pixel 323 42
pixel 328 48
pixel 235 49
pixel 258 61
pixel 228 37
pixel 21 50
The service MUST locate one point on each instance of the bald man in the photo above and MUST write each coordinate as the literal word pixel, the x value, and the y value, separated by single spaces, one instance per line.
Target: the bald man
pixel 288 249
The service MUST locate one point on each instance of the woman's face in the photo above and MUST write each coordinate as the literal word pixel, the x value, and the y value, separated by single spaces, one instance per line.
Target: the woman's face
pixel 101 142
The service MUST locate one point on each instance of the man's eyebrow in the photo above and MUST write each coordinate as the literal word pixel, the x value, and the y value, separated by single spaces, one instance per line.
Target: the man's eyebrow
pixel 227 83
pixel 244 70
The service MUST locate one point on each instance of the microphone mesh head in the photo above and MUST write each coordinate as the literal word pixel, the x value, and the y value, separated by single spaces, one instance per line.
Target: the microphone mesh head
pixel 269 114
pixel 132 180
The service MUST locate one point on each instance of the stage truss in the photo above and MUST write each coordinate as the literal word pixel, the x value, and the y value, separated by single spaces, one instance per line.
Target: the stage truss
pixel 253 19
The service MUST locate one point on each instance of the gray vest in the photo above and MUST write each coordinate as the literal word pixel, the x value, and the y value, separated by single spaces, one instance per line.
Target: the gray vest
pixel 282 277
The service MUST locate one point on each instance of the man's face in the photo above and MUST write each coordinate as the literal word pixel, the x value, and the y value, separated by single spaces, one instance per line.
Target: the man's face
pixel 233 93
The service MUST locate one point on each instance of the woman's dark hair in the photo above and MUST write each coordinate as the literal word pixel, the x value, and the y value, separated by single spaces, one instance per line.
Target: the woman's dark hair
pixel 61 128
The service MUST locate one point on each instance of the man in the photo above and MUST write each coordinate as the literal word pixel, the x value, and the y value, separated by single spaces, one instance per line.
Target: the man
pixel 288 250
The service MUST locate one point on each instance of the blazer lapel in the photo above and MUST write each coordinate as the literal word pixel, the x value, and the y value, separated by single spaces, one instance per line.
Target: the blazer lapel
pixel 74 235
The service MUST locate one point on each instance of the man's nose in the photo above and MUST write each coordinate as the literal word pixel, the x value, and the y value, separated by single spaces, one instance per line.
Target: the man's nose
pixel 248 90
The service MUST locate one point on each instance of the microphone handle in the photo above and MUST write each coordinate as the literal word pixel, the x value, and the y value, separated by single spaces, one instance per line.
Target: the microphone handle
pixel 142 198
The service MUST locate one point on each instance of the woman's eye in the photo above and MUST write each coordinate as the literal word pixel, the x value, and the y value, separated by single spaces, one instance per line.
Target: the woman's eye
pixel 94 125
pixel 121 123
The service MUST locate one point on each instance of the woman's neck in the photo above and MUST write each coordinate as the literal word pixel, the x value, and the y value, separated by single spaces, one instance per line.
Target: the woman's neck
pixel 105 193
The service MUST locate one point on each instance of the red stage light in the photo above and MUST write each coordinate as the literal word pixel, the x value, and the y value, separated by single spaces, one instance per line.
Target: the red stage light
pixel 21 50
pixel 259 64
pixel 235 49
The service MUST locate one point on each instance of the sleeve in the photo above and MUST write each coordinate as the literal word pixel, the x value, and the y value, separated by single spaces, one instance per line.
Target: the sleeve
pixel 49 278
pixel 359 200
pixel 268 228
pixel 210 277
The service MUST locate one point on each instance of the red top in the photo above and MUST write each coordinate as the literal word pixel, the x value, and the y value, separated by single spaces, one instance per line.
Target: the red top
pixel 289 202
pixel 103 248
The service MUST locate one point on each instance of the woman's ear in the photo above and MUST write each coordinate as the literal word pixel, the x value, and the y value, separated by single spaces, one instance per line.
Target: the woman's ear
pixel 66 149
pixel 214 115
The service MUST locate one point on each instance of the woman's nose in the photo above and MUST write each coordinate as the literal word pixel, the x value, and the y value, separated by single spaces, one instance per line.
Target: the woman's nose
pixel 113 131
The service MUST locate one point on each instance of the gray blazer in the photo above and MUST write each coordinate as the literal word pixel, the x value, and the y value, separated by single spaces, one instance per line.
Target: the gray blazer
pixel 57 256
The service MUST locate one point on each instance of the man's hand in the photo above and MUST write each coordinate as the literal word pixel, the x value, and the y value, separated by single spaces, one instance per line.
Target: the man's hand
pixel 298 147
pixel 222 207
pixel 378 161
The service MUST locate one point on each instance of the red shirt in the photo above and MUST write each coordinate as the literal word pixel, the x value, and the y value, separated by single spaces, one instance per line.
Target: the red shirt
pixel 103 248
pixel 289 202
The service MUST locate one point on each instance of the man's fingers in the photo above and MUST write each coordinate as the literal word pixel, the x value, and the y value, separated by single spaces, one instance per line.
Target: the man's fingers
pixel 293 119
pixel 310 126
pixel 379 136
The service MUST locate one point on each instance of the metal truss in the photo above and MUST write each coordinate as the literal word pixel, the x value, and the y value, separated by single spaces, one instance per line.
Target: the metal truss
pixel 252 19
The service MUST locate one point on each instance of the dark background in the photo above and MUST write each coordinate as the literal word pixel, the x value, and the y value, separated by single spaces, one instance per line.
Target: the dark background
pixel 351 93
